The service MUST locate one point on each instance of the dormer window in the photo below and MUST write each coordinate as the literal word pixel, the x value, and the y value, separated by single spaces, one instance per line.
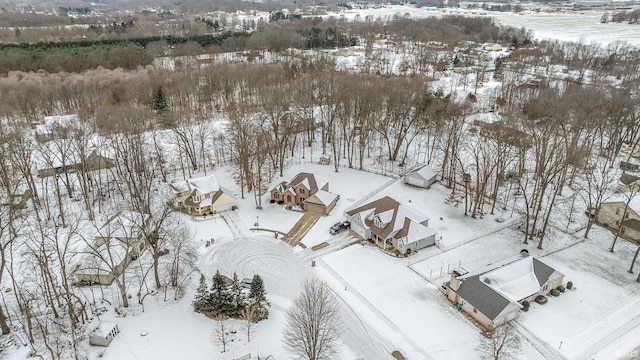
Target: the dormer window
pixel 377 222
pixel 196 198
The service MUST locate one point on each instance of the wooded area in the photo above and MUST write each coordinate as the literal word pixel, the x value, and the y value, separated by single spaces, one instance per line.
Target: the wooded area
pixel 556 134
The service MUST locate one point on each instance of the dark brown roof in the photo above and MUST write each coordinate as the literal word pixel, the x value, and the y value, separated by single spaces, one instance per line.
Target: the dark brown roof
pixel 381 205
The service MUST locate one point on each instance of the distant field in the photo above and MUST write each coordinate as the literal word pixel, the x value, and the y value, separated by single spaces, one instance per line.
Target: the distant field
pixel 573 27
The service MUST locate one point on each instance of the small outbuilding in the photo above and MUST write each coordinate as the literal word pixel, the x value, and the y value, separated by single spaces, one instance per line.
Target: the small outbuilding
pixel 104 333
pixel 423 176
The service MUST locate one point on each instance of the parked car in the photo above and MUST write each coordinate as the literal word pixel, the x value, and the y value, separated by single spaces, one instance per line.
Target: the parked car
pixel 338 227
pixel 245 283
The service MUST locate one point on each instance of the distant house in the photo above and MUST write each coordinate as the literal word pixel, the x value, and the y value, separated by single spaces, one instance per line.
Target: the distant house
pixel 424 177
pixel 54 127
pixel 611 214
pixel 627 182
pixel 627 166
pixel 322 202
pixel 492 47
pixel 393 224
pixel 70 163
pixel 202 195
pixel 119 241
pixel 300 188
pixel 104 333
pixel 495 294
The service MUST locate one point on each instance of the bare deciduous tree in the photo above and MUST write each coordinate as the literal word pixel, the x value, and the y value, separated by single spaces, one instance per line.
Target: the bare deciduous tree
pixel 501 344
pixel 313 323
pixel 222 334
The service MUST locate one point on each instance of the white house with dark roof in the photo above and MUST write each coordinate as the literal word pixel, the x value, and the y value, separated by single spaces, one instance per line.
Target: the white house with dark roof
pixel 494 295
pixel 392 224
pixel 202 195
pixel 424 177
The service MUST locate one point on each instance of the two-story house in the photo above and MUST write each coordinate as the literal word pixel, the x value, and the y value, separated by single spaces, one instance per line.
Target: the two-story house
pixel 202 195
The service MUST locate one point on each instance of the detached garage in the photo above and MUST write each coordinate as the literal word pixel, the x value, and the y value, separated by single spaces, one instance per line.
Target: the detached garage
pixel 423 176
pixel 322 202
pixel 104 333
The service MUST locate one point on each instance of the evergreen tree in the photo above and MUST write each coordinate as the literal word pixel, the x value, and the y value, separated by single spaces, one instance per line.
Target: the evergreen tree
pixel 258 299
pixel 202 294
pixel 159 102
pixel 220 299
pixel 239 299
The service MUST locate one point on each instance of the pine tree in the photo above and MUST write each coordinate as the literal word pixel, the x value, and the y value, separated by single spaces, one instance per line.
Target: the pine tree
pixel 202 294
pixel 258 299
pixel 239 299
pixel 159 102
pixel 220 298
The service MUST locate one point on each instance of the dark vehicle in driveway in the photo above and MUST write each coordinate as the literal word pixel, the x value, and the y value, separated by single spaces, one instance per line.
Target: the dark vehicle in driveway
pixel 338 227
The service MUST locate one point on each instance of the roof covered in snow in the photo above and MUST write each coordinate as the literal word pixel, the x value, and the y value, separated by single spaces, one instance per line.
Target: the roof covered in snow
pixel 498 287
pixel 322 197
pixel 425 171
pixel 387 217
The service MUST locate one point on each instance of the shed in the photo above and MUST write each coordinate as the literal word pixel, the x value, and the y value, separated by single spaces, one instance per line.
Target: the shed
pixel 322 202
pixel 104 333
pixel 325 159
pixel 423 176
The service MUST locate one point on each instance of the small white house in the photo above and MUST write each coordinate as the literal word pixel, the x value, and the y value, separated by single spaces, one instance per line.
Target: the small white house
pixel 104 333
pixel 423 176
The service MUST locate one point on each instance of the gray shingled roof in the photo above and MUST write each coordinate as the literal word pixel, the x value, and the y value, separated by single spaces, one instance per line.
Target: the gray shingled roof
pixel 482 297
pixel 542 271
pixel 485 298
pixel 628 179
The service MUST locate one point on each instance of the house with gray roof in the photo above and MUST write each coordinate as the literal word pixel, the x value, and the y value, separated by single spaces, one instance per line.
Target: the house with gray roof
pixel 391 224
pixel 495 294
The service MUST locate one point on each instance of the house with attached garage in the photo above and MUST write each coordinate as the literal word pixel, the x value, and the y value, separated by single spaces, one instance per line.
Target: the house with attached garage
pixel 392 225
pixel 424 176
pixel 615 214
pixel 495 294
pixel 300 188
pixel 201 195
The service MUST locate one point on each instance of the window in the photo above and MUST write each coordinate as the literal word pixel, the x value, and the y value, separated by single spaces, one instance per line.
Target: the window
pixel 276 195
pixel 301 191
pixel 545 287
pixel 196 198
pixel 301 199
pixel 622 230
pixel 617 211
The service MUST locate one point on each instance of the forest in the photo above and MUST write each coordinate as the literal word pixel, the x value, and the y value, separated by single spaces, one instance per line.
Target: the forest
pixel 565 112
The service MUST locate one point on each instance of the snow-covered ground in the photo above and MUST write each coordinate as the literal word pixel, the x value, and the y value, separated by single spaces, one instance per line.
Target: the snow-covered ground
pixel 390 303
